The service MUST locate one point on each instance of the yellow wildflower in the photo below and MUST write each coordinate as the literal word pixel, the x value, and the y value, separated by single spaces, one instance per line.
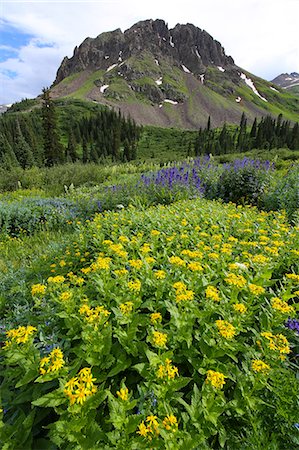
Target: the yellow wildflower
pixel 240 307
pixel 195 266
pixel 121 272
pixel 94 316
pixel 170 423
pixel 150 260
pixel 123 394
pixel 38 289
pixel 213 293
pixel 78 388
pixel 167 370
pixel 143 430
pixel 255 289
pixel 146 248
pixel 236 280
pixel 213 255
pixel 159 339
pixel 64 296
pixel 292 276
pixel 152 422
pixel 52 363
pixel 126 308
pixel 216 379
pixel 155 233
pixel 101 264
pixel 56 280
pixel 259 366
pixel 226 329
pixel 281 306
pixel 277 342
pixel 177 261
pixel 136 263
pixel 179 286
pixel 123 239
pixel 184 296
pixel 260 259
pixel 19 335
pixel 156 318
pixel 160 274
pixel 134 285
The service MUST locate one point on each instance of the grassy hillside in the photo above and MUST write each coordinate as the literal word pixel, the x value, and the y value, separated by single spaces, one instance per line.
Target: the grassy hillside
pixel 142 97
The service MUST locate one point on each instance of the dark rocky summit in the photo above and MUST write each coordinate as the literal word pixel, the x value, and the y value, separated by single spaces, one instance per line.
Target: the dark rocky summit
pixel 184 45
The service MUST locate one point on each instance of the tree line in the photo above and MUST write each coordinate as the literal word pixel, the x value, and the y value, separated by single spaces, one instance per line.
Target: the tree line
pixel 37 139
pixel 267 134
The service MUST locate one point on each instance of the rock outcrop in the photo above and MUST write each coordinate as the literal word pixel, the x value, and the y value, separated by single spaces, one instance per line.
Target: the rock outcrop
pixel 184 45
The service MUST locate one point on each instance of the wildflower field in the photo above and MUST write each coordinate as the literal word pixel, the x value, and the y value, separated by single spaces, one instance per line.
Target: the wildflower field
pixel 167 327
pixel 243 181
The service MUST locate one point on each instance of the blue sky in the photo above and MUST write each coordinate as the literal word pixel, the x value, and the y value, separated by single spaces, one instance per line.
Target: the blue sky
pixel 12 40
pixel 261 35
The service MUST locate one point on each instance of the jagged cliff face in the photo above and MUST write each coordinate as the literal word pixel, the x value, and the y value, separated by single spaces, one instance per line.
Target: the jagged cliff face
pixel 167 77
pixel 184 45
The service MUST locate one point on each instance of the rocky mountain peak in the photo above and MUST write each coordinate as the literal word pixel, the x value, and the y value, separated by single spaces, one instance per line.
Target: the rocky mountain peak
pixel 185 45
pixel 289 81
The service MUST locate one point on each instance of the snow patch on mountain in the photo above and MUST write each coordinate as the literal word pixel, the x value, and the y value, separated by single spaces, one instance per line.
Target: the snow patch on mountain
pixel 197 53
pixel 103 88
pixel 250 84
pixel 172 102
pixel 111 67
pixel 185 69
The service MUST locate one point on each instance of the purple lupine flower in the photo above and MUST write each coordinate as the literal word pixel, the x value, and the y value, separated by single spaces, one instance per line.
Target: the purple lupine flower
pixel 293 324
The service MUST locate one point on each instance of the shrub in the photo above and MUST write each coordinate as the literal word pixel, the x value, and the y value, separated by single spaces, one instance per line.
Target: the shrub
pixel 243 181
pixel 284 193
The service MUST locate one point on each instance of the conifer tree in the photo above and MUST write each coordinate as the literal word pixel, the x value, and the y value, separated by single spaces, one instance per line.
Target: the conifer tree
pixel 71 150
pixel 294 141
pixel 22 150
pixel 8 158
pixel 52 148
pixel 242 137
pixel 85 152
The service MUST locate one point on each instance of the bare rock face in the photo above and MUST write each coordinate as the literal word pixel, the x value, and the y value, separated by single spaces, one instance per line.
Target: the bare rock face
pixel 287 80
pixel 184 45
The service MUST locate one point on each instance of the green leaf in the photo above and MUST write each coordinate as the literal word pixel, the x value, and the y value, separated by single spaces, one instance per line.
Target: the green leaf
pixel 120 366
pixel 51 399
pixel 222 437
pixel 27 378
pixel 139 367
pixel 179 383
pixel 153 358
pixel 132 422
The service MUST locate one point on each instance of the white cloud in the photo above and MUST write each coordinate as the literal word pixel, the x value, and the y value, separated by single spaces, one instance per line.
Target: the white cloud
pixel 261 35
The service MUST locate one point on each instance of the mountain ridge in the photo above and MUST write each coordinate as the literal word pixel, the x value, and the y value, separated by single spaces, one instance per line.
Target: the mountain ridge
pixel 288 81
pixel 174 77
pixel 180 43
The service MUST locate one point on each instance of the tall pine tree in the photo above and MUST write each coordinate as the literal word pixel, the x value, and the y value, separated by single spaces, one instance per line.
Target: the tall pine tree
pixel 53 149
